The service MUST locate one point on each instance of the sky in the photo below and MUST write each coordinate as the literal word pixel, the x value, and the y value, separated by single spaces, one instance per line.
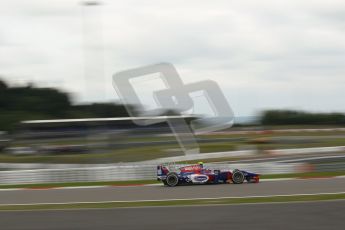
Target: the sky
pixel 267 54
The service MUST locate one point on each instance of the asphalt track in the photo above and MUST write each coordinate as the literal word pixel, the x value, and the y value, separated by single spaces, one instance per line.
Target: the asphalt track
pixel 98 194
pixel 283 216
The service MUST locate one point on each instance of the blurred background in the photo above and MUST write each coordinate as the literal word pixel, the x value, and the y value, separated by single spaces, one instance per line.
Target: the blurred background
pixel 68 146
pixel 280 65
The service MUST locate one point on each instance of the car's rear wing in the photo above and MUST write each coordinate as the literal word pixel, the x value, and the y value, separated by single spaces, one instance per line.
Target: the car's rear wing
pixel 162 170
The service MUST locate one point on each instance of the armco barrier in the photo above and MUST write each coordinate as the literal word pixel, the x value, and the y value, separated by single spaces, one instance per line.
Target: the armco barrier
pixel 125 173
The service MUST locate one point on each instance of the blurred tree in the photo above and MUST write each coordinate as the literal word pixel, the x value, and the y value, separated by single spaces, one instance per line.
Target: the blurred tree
pixel 29 102
pixel 101 110
pixel 288 117
pixel 3 85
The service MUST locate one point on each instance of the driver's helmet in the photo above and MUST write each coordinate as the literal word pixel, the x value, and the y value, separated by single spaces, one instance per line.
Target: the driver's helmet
pixel 201 164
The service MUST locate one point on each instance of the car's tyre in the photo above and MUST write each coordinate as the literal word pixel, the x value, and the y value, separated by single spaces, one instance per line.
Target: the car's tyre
pixel 237 177
pixel 172 179
pixel 164 182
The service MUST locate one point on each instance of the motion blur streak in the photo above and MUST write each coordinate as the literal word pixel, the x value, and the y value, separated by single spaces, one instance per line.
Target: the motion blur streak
pixel 284 216
pixel 286 187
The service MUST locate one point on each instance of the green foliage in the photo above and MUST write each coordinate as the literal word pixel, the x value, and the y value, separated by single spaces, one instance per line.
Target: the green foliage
pixel 288 117
pixel 2 85
pixel 29 103
pixel 99 110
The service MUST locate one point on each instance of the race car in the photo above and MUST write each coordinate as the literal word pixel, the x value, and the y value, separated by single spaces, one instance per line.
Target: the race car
pixel 197 174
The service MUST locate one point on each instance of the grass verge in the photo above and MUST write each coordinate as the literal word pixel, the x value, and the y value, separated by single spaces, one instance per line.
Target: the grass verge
pixel 216 201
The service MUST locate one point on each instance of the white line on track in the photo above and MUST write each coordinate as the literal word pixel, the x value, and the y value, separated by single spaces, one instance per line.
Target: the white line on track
pixel 175 206
pixel 187 199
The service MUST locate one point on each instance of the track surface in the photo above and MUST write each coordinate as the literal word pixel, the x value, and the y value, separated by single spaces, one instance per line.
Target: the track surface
pixel 285 187
pixel 284 216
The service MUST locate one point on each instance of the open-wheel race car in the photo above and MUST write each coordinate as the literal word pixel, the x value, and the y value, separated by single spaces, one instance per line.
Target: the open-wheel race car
pixel 198 174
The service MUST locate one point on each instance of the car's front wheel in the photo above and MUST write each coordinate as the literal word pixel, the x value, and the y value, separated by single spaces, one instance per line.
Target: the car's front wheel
pixel 172 179
pixel 237 177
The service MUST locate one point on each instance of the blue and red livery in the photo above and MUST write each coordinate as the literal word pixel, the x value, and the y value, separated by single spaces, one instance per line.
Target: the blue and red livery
pixel 197 174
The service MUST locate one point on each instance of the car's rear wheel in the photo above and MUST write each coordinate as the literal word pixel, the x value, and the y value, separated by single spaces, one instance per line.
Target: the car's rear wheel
pixel 237 177
pixel 172 180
